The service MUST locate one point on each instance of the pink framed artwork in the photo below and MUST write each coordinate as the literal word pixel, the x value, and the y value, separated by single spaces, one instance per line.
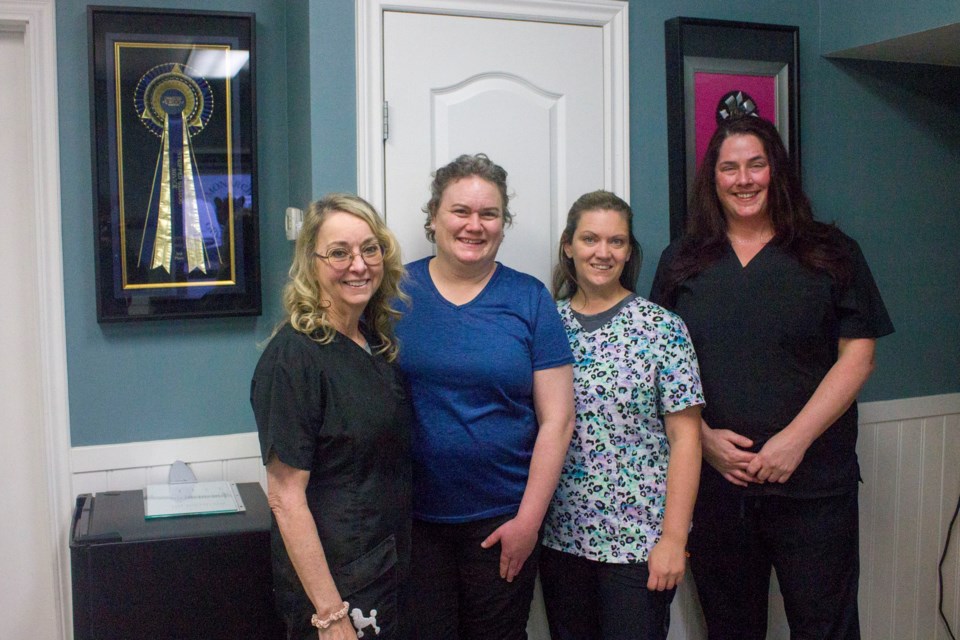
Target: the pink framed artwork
pixel 721 88
pixel 729 93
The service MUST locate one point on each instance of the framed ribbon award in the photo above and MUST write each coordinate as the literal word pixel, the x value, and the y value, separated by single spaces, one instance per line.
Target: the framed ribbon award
pixel 175 173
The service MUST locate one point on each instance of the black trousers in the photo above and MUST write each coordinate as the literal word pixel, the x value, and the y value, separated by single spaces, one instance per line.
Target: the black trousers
pixel 589 600
pixel 812 543
pixel 456 589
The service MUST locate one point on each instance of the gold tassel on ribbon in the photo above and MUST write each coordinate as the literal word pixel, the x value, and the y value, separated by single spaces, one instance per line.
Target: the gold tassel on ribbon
pixel 163 244
pixel 193 235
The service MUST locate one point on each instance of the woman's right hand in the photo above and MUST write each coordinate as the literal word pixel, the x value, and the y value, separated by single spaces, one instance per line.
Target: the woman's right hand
pixel 726 452
pixel 342 629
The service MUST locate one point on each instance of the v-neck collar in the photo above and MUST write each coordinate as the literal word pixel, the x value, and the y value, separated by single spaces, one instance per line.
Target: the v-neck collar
pixel 744 266
pixel 436 291
pixel 617 309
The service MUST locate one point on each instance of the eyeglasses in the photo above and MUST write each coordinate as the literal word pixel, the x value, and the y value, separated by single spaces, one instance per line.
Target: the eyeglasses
pixel 338 258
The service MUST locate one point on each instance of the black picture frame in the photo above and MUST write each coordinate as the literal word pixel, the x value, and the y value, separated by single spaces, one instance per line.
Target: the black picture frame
pixel 709 58
pixel 175 203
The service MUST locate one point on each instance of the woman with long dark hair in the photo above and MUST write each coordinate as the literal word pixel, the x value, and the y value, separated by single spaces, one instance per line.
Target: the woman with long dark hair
pixel 784 315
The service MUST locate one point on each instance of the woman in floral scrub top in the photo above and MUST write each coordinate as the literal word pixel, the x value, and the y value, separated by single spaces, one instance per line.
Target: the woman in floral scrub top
pixel 616 532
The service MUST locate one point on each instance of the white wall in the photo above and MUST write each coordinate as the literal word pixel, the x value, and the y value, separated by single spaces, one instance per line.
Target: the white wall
pixel 24 549
pixel 33 393
pixel 910 460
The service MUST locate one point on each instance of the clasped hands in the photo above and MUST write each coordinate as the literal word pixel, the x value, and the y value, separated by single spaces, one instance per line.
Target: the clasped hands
pixel 728 453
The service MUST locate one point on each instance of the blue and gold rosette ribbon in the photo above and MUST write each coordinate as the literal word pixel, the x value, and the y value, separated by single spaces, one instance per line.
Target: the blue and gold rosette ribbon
pixel 180 225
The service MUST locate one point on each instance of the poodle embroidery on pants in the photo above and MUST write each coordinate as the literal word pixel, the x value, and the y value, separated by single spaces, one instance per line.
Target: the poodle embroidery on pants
pixel 360 622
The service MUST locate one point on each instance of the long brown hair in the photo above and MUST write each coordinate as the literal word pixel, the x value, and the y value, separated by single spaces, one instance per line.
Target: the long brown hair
pixel 565 274
pixel 816 245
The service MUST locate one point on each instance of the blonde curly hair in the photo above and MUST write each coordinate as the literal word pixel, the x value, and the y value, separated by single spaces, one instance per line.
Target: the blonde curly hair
pixel 305 308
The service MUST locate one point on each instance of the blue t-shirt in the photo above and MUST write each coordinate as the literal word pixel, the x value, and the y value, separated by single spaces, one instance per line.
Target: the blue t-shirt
pixel 470 369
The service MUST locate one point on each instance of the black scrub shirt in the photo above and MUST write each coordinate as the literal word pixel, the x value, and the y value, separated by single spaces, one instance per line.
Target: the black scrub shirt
pixel 765 336
pixel 342 414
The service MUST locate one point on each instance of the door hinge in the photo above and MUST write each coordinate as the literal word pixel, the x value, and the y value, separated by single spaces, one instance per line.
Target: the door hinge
pixel 386 120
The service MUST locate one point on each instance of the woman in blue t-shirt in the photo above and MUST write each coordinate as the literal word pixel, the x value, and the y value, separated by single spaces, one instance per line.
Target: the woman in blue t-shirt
pixel 615 536
pixel 488 365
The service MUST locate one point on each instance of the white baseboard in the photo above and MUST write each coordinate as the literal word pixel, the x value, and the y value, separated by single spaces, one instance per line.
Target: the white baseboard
pixel 153 453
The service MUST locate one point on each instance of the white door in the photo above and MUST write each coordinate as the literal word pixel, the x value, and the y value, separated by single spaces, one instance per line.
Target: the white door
pixel 539 86
pixel 528 94
pixel 34 473
pixel 28 560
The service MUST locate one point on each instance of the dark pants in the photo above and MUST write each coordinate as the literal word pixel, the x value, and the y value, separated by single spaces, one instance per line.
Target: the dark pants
pixel 588 600
pixel 813 545
pixel 456 587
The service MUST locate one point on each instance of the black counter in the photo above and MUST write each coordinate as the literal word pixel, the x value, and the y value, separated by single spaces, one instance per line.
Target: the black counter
pixel 203 577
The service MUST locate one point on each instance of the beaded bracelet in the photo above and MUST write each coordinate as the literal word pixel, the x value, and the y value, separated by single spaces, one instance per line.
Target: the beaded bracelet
pixel 329 620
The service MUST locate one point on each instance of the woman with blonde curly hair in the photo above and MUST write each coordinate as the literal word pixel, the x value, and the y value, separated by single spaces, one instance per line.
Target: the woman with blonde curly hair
pixel 334 424
pixel 307 311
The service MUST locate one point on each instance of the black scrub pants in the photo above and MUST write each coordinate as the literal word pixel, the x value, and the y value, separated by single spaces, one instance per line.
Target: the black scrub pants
pixel 811 542
pixel 588 600
pixel 457 591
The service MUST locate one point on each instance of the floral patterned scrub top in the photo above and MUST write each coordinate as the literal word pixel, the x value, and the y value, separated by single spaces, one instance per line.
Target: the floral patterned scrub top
pixel 628 373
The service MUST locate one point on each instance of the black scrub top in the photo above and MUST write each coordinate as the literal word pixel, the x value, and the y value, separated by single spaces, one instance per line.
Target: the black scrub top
pixel 765 336
pixel 342 414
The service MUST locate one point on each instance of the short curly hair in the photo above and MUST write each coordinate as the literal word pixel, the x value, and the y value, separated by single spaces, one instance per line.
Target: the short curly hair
pixel 465 166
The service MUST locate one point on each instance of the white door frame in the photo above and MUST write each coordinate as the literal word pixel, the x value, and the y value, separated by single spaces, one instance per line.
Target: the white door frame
pixel 610 15
pixel 37 21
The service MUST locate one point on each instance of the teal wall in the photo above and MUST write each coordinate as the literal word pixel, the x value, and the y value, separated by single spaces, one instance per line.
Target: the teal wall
pixel 186 378
pixel 880 158
pixel 322 109
pixel 333 100
pixel 299 84
pixel 883 159
pixel 854 23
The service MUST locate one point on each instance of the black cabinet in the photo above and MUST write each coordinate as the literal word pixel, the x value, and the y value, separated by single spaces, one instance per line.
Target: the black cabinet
pixel 184 578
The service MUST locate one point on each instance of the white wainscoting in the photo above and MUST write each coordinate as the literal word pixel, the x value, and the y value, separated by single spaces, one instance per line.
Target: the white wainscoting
pixel 119 467
pixel 910 461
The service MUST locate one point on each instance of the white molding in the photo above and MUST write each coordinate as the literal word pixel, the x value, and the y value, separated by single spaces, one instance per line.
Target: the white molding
pixel 609 15
pixel 909 408
pixel 36 19
pixel 155 453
